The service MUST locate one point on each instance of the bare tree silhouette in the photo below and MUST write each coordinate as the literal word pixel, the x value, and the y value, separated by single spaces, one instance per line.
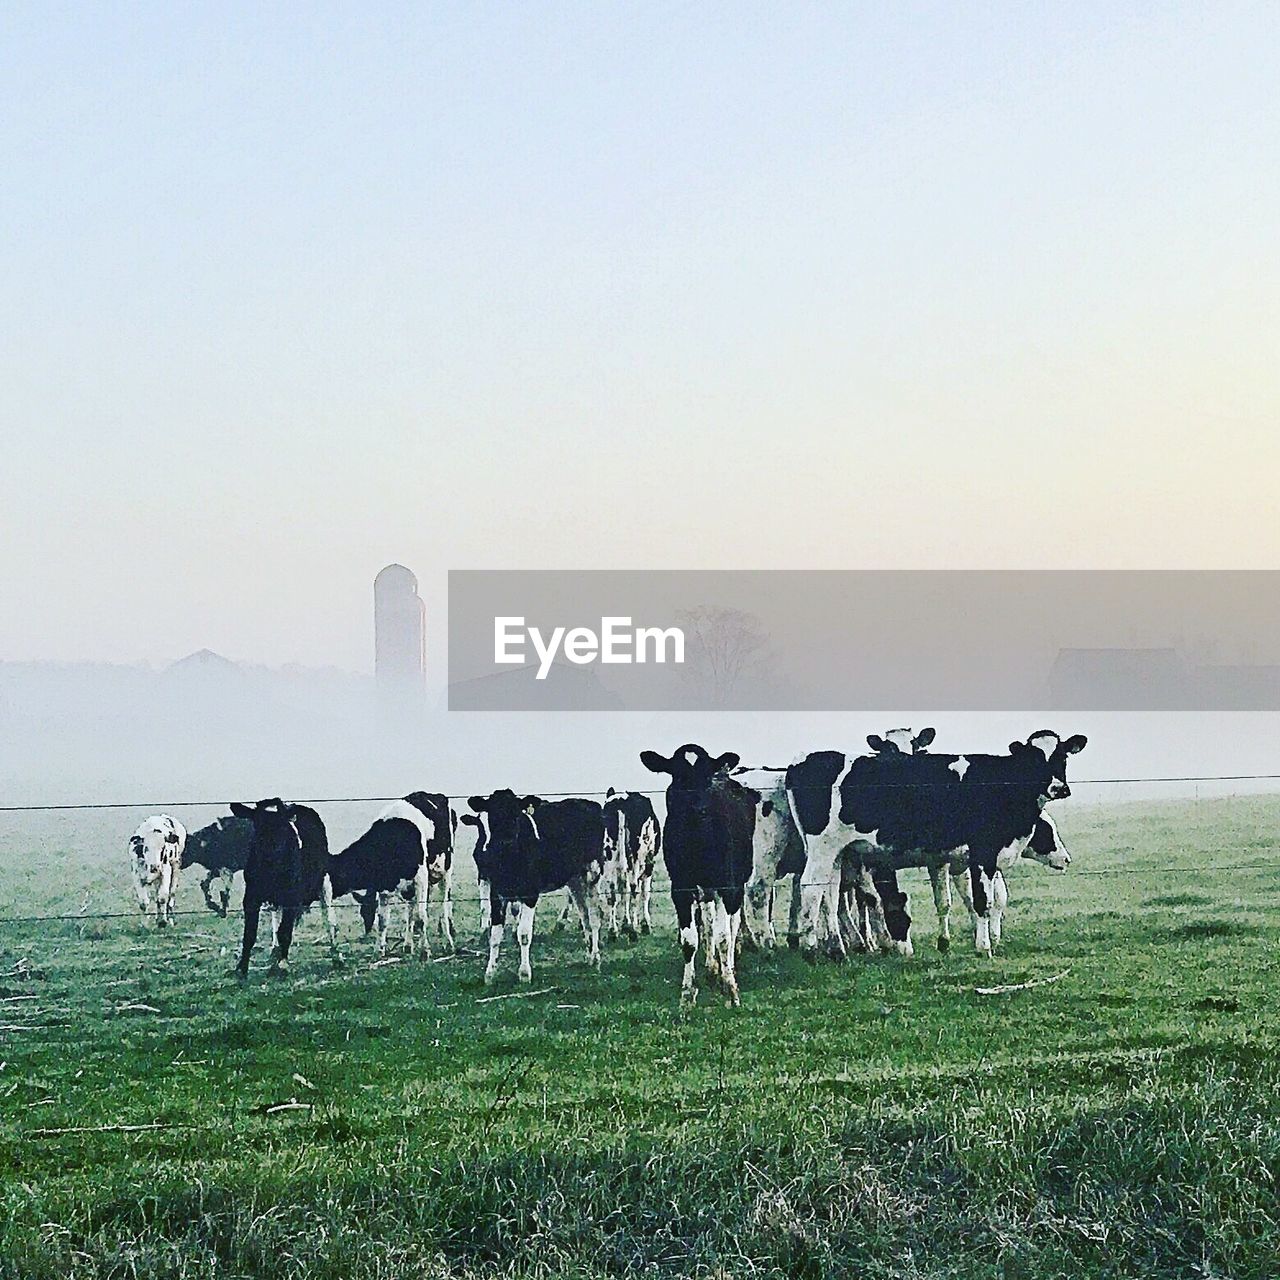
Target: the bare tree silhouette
pixel 725 650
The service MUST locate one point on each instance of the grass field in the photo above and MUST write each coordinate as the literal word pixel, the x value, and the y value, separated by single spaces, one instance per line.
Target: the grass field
pixel 875 1119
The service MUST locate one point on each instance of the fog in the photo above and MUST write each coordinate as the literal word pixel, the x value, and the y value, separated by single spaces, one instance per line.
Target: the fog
pixel 209 730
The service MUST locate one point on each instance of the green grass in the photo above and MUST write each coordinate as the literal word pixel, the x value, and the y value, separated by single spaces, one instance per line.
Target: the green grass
pixel 875 1119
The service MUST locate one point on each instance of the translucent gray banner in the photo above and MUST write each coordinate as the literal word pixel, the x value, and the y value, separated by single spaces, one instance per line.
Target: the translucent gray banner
pixel 864 640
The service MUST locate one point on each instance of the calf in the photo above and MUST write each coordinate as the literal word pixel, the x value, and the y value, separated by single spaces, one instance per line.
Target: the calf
pixel 527 847
pixel 892 810
pixel 155 858
pixel 632 840
pixel 221 849
pixel 1044 846
pixel 707 848
pixel 407 850
pixel 286 869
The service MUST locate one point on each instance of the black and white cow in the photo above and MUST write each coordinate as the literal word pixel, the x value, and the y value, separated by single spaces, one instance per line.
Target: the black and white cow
pixel 221 849
pixel 890 809
pixel 286 869
pixel 527 847
pixel 1045 846
pixel 155 859
pixel 407 850
pixel 707 848
pixel 777 852
pixel 632 839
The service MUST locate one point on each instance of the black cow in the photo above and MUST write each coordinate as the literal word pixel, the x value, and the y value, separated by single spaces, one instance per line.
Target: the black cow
pixel 891 810
pixel 632 839
pixel 408 849
pixel 221 849
pixel 707 848
pixel 527 847
pixel 286 869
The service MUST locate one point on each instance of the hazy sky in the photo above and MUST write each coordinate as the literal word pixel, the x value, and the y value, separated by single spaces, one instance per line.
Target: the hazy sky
pixel 290 291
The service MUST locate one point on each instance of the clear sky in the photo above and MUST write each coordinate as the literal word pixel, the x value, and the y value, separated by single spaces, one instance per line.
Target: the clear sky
pixel 290 291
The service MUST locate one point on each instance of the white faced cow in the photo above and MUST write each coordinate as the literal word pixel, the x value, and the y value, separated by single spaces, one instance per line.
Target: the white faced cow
pixel 155 858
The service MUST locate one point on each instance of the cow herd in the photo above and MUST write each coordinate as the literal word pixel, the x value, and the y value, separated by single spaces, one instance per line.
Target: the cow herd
pixel 839 826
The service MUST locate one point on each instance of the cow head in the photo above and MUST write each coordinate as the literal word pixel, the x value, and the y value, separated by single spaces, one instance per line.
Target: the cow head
pixel 691 767
pixel 505 821
pixel 275 834
pixel 1047 754
pixel 1046 845
pixel 901 741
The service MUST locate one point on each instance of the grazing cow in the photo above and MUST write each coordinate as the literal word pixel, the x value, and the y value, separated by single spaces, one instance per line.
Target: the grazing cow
pixel 707 848
pixel 527 847
pixel 408 849
pixel 778 850
pixel 221 849
pixel 632 839
pixel 155 858
pixel 286 869
pixel 891 810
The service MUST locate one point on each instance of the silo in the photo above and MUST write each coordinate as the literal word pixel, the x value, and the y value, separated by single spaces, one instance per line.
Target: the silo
pixel 399 635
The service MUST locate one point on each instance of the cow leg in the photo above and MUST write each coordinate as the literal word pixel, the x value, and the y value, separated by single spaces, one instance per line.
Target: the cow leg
pixel 821 886
pixel 646 893
pixel 446 910
pixel 284 938
pixel 755 914
pixel 722 940
pixel 982 873
pixel 940 881
pixel 582 894
pixel 252 910
pixel 205 886
pixel 326 901
pixel 418 909
pixel 383 920
pixel 706 937
pixel 224 894
pixel 163 889
pixel 683 901
pixel 524 935
pixel 999 901
pixel 793 914
pixel 497 915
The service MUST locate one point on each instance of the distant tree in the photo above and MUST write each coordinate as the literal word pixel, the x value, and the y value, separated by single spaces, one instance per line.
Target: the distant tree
pixel 725 651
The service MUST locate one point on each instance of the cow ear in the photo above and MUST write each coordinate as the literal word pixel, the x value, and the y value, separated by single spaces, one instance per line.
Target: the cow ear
pixel 608 795
pixel 1074 745
pixel 453 818
pixel 242 810
pixel 478 803
pixel 654 762
pixel 924 738
pixel 878 744
pixel 470 820
pixel 730 760
pixel 1016 748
